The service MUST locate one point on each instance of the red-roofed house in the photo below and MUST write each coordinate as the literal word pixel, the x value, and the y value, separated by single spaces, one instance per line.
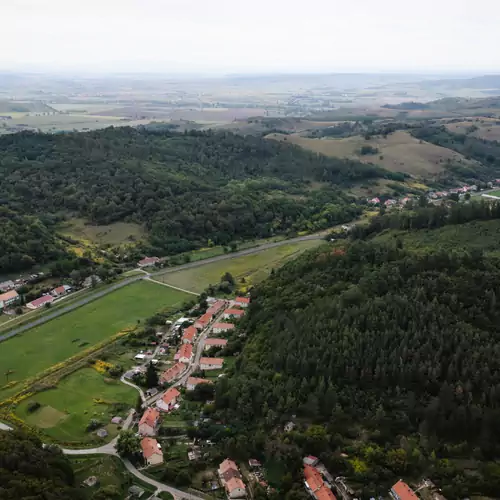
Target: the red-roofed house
pixel 149 422
pixel 222 327
pixel 233 313
pixel 315 484
pixel 203 321
pixel 401 491
pixel 216 307
pixel 168 400
pixel 172 373
pixel 211 363
pixel 235 488
pixel 148 261
pixel 325 493
pixel 192 382
pixel 61 290
pixel 9 298
pixel 215 343
pixel 184 354
pixel 242 301
pixel 189 335
pixel 40 302
pixel 151 451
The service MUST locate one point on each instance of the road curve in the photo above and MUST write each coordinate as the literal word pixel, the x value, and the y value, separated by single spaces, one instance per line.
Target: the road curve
pixel 128 281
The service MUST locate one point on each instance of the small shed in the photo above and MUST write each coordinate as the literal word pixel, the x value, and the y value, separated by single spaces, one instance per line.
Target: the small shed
pixel 117 420
pixel 102 433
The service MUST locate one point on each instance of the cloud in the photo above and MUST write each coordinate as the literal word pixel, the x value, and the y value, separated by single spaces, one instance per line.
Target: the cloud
pixel 259 35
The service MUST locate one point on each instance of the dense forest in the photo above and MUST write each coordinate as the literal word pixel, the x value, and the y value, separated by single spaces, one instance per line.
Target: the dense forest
pixel 387 361
pixel 186 189
pixel 29 470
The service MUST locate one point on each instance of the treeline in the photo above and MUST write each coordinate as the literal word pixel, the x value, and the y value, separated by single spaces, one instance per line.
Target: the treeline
pixel 185 188
pixel 386 360
pixel 430 217
pixel 30 470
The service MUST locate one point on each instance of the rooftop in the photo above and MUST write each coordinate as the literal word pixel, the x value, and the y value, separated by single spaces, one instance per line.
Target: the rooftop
pixel 403 491
pixel 150 417
pixel 150 447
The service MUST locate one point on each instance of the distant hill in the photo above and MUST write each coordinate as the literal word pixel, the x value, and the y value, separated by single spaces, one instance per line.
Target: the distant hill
pixel 478 82
pixel 9 106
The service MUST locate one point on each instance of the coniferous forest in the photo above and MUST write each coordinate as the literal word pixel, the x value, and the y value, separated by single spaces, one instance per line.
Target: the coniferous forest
pixel 386 359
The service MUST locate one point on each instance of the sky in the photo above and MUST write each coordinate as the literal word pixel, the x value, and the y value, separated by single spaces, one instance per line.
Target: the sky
pixel 250 36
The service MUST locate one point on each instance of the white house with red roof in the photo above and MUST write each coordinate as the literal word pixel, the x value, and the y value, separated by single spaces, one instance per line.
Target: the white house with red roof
pixel 193 382
pixel 148 261
pixel 242 301
pixel 149 422
pixel 222 327
pixel 209 343
pixel 184 354
pixel 189 335
pixel 61 290
pixel 211 363
pixel 151 451
pixel 168 400
pixel 40 302
pixel 233 313
pixel 172 373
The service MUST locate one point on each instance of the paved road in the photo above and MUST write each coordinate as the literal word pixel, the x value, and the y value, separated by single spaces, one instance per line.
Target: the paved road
pixel 128 281
pixel 177 494
pixel 136 387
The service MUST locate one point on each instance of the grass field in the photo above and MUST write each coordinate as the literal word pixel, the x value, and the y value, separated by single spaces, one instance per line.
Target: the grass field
pixel 494 193
pixel 478 235
pixel 487 128
pixel 114 234
pixel 399 152
pixel 53 342
pixel 253 268
pixel 67 409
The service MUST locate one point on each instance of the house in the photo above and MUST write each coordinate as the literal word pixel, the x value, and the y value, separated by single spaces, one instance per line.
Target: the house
pixel 242 301
pixel 192 382
pixel 102 433
pixel 189 335
pixel 203 321
pixel 9 298
pixel 315 484
pixel 184 354
pixel 390 203
pixel 209 343
pixel 222 327
pixel 311 460
pixel 172 373
pixel 149 422
pixel 61 290
pixel 374 201
pixel 117 420
pixel 255 464
pixel 148 261
pixel 211 363
pixel 233 313
pixel 289 427
pixel 151 451
pixel 235 488
pixel 215 307
pixel 228 470
pixel 168 400
pixel 401 491
pixel 5 286
pixel 40 302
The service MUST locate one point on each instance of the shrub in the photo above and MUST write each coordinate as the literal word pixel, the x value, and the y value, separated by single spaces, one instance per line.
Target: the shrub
pixel 33 406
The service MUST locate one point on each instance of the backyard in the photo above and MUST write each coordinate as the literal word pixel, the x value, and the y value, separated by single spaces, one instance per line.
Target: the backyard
pixel 66 410
pixel 41 347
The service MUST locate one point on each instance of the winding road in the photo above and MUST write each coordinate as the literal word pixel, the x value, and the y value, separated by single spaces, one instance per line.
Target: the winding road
pixel 128 281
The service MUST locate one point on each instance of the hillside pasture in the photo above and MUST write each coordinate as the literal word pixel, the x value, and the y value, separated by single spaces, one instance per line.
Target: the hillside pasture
pixel 399 152
pixel 41 347
pixel 114 234
pixel 487 128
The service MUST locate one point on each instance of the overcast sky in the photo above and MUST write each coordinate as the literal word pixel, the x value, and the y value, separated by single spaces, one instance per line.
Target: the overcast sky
pixel 216 36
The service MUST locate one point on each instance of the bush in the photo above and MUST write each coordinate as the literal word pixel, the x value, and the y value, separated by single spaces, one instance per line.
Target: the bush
pixel 93 425
pixel 33 406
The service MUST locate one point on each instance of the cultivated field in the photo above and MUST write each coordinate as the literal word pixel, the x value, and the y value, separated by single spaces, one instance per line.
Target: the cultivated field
pixel 66 410
pixel 53 342
pixel 399 152
pixel 253 268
